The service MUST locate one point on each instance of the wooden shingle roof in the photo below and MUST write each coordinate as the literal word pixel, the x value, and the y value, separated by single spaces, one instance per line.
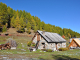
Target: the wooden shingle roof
pixel 51 37
pixel 77 42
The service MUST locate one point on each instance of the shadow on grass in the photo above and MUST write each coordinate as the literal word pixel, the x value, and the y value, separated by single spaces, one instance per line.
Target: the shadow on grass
pixel 62 57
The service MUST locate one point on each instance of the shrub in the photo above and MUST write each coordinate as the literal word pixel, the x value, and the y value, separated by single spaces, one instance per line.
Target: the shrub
pixel 49 50
pixel 44 49
pixel 63 49
pixel 60 49
pixel 4 29
pixel 29 43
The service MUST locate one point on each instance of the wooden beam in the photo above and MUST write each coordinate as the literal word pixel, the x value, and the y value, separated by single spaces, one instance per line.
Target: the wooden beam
pixel 71 43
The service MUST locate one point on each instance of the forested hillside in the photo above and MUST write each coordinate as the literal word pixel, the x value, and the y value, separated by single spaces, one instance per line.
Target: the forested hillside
pixel 22 19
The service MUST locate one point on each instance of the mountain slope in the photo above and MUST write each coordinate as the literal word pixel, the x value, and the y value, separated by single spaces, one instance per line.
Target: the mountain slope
pixel 22 19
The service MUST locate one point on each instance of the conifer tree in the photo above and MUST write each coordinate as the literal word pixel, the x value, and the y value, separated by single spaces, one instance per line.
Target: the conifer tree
pixel 22 21
pixel 28 27
pixel 35 28
pixel 13 22
pixel 32 22
pixel 69 35
pixel 4 29
pixel 41 25
pixel 22 25
pixel 20 13
pixel 3 13
pixel 18 26
pixel 61 33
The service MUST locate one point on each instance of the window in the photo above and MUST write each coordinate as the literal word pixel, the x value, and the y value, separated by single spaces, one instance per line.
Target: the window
pixel 43 43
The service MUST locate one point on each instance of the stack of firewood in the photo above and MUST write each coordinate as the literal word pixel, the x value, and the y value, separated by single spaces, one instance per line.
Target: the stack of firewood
pixel 5 46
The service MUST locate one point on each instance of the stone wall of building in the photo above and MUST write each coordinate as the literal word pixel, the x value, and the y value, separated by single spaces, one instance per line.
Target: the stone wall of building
pixel 63 44
pixel 59 45
pixel 35 39
pixel 51 46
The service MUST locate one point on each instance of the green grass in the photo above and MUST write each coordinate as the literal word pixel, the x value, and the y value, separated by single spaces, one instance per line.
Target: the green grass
pixel 22 50
pixel 71 54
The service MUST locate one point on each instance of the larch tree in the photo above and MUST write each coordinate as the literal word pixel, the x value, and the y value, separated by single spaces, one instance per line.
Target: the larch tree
pixel 20 13
pixel 18 26
pixel 13 22
pixel 10 15
pixel 3 13
pixel 69 35
pixel 22 25
pixel 28 27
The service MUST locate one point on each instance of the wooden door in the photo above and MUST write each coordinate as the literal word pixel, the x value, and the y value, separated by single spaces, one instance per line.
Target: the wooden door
pixel 56 47
pixel 38 37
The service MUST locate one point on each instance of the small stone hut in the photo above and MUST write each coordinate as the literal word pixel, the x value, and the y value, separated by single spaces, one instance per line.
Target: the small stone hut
pixel 48 40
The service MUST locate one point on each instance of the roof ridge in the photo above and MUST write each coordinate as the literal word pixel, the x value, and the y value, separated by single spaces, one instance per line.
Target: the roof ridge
pixel 46 31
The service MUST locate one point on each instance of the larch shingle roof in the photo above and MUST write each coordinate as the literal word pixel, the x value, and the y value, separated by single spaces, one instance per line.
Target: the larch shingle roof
pixel 51 37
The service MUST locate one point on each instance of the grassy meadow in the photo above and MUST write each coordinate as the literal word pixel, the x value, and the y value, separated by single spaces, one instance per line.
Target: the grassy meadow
pixel 22 51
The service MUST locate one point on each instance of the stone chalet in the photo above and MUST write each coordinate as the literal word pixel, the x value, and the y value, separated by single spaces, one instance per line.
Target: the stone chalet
pixel 48 40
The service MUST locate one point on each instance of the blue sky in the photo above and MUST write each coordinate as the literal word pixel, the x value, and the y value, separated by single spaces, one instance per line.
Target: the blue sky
pixel 62 13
